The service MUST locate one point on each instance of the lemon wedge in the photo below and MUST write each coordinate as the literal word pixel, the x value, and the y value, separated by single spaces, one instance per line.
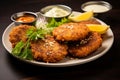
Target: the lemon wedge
pixel 81 17
pixel 98 28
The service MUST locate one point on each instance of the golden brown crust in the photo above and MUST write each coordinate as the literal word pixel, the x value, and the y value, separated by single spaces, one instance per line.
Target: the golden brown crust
pixel 48 50
pixel 83 50
pixel 70 32
pixel 18 33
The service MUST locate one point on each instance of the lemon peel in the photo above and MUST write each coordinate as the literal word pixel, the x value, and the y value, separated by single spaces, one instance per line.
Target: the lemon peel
pixel 81 17
pixel 98 28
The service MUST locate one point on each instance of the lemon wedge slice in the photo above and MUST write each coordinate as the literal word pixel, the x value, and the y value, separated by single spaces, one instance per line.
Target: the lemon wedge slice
pixel 81 17
pixel 98 28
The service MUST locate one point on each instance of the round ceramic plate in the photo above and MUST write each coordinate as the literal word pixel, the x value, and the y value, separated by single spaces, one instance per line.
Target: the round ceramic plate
pixel 108 39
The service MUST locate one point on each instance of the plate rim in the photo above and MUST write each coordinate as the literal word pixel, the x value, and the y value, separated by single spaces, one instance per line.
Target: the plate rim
pixel 60 64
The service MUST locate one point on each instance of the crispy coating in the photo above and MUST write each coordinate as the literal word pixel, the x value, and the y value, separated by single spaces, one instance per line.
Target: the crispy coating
pixel 18 33
pixel 48 50
pixel 82 50
pixel 70 32
pixel 90 21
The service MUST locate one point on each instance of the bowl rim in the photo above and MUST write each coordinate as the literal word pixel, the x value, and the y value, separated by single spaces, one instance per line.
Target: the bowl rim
pixel 21 14
pixel 58 5
pixel 107 4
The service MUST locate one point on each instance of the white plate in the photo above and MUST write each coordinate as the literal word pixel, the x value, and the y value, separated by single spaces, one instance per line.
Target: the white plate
pixel 108 39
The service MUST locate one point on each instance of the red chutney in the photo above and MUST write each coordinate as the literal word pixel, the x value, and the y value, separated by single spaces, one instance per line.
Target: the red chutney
pixel 26 18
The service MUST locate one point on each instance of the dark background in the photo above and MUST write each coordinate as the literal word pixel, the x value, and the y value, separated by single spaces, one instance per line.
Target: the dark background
pixel 106 67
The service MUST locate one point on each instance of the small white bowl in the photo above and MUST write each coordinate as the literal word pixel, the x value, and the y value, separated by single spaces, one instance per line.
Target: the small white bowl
pixel 96 6
pixel 30 16
pixel 65 8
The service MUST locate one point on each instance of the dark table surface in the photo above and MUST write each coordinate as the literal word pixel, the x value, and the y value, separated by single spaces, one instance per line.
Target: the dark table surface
pixel 106 67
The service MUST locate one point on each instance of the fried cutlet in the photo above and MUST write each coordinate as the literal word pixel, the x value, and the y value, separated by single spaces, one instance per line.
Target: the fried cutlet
pixel 48 50
pixel 94 41
pixel 70 32
pixel 18 33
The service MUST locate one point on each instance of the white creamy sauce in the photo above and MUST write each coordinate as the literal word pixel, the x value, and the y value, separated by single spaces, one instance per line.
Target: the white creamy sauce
pixel 96 8
pixel 56 12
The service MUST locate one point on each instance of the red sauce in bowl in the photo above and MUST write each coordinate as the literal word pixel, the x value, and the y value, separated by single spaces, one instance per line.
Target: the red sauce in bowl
pixel 26 18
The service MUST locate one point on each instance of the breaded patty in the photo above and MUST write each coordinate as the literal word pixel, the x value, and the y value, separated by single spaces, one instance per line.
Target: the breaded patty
pixel 70 32
pixel 83 49
pixel 18 33
pixel 48 50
